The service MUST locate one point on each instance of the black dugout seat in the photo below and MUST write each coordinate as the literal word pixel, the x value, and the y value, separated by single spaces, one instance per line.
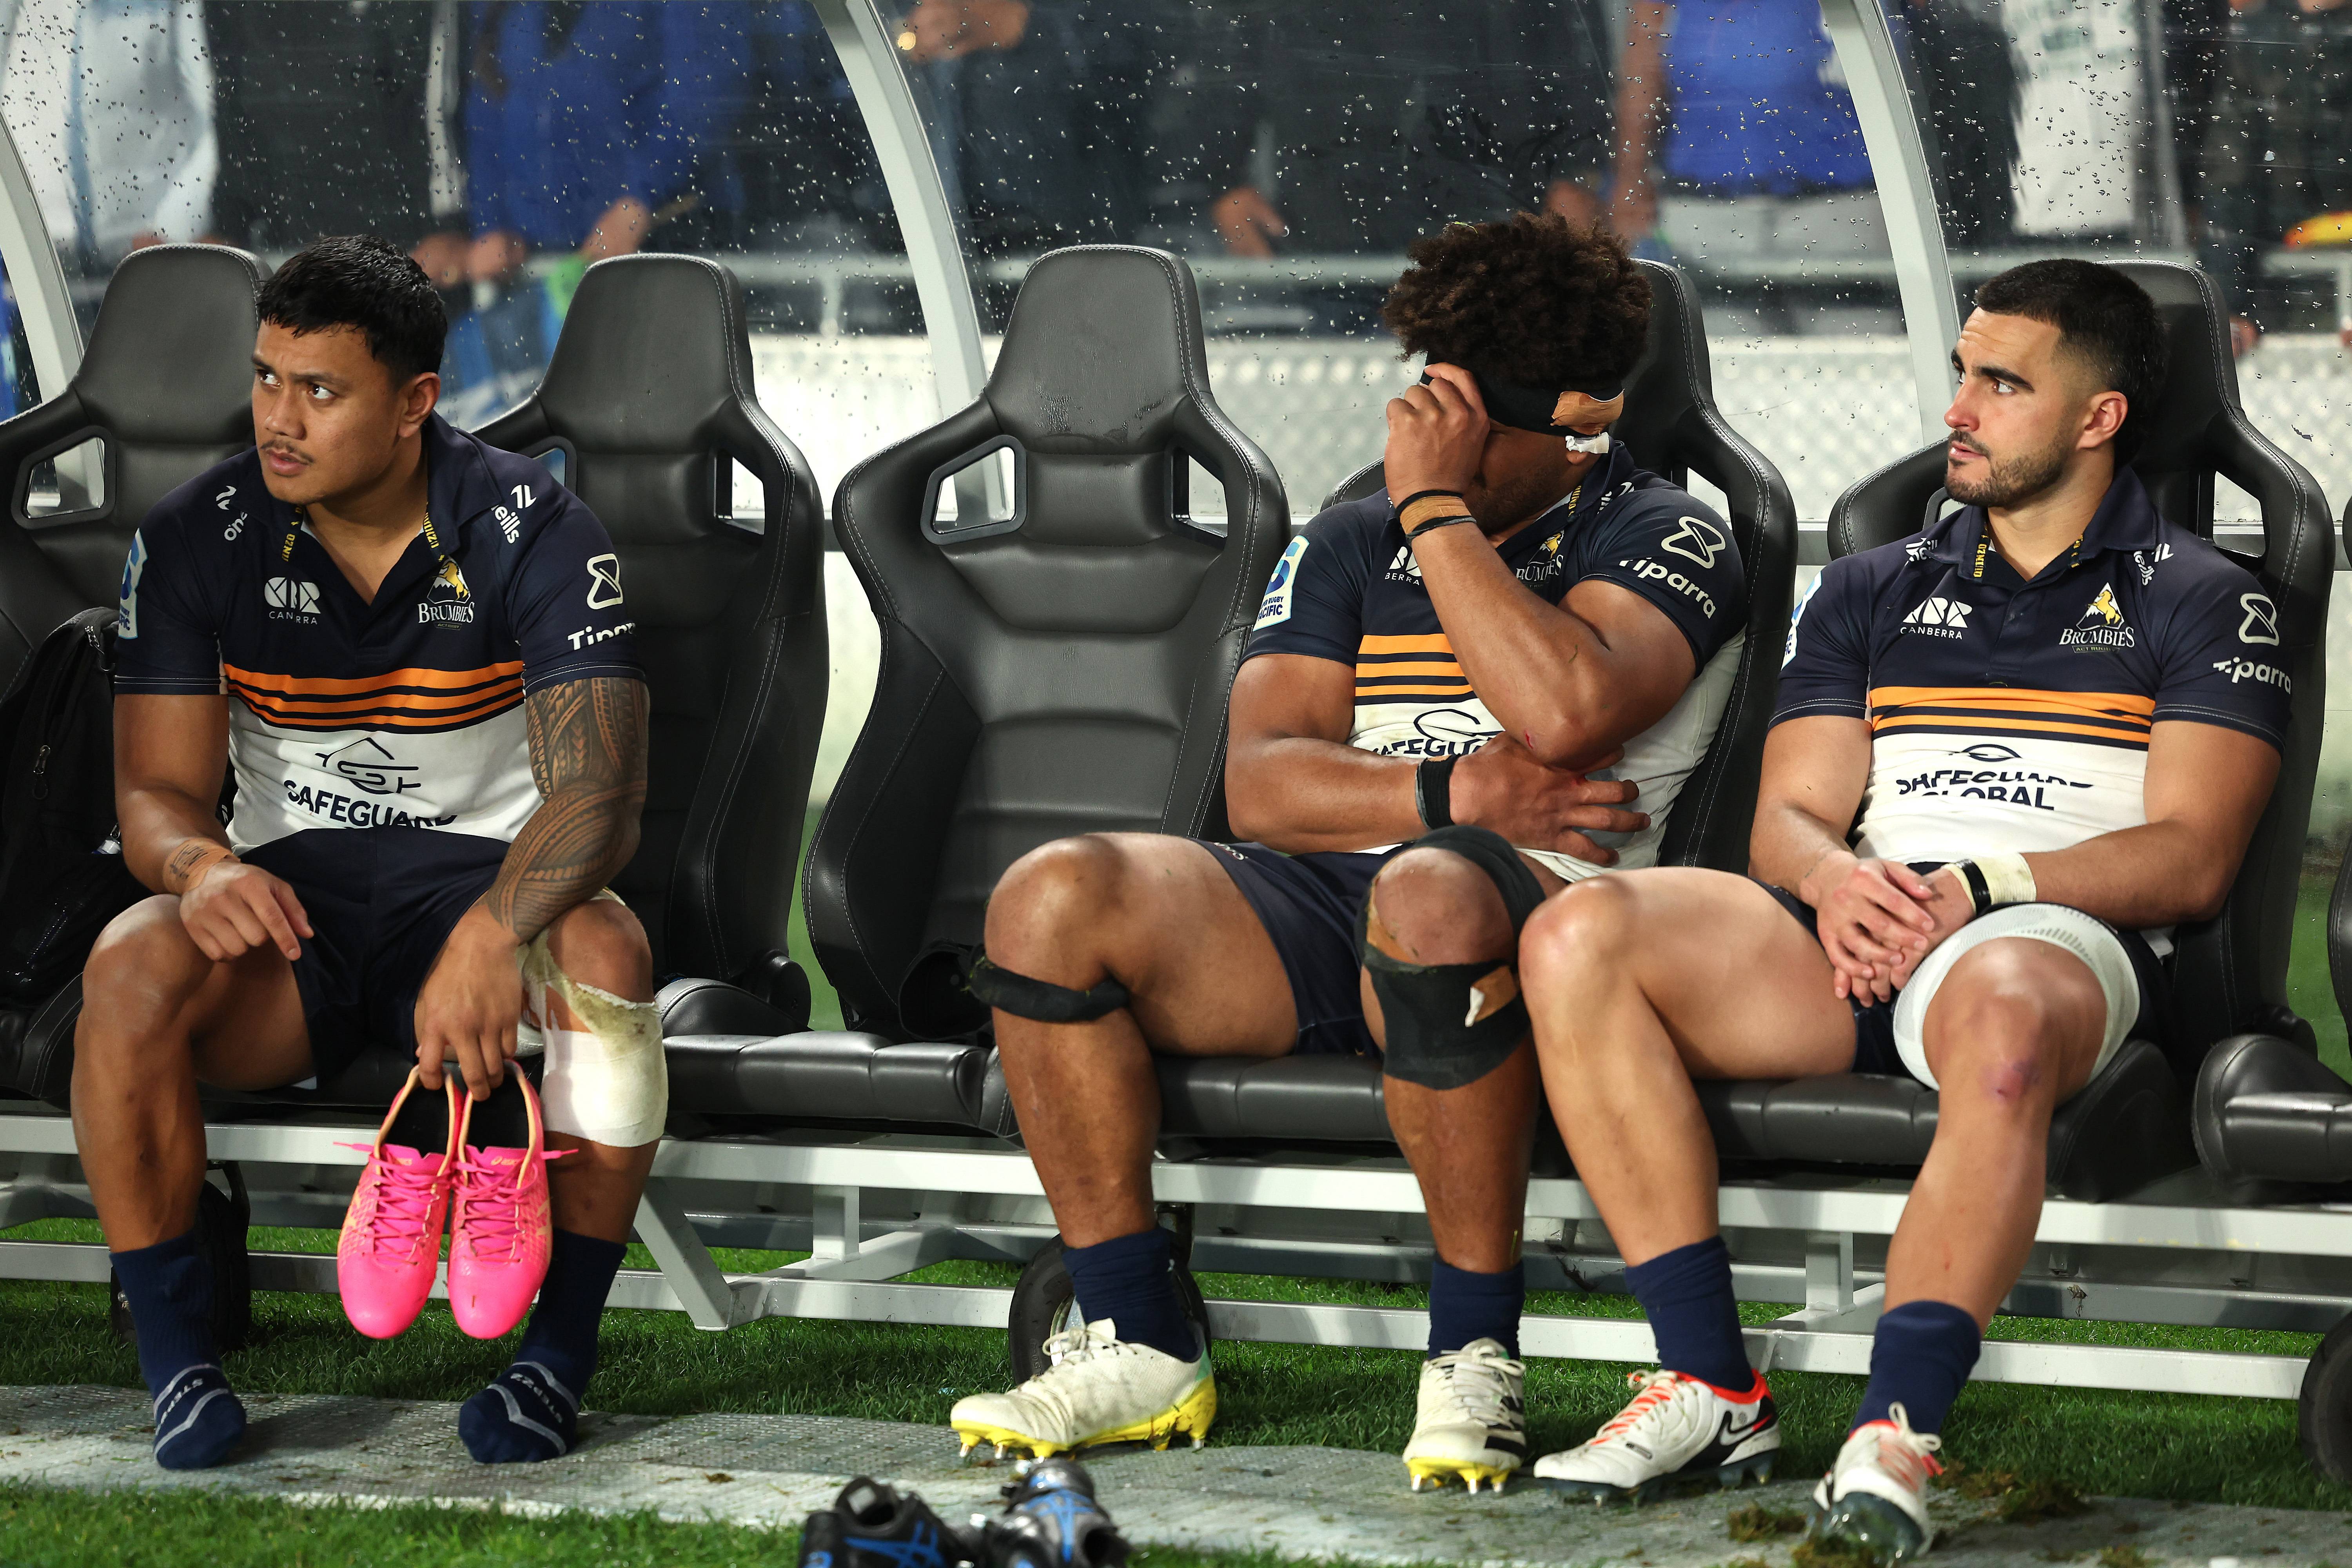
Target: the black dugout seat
pixel 165 390
pixel 2130 1124
pixel 1055 666
pixel 2267 1108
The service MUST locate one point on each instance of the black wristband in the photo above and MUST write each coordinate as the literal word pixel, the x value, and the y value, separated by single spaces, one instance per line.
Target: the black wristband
pixel 1973 877
pixel 1448 520
pixel 1432 792
pixel 1425 495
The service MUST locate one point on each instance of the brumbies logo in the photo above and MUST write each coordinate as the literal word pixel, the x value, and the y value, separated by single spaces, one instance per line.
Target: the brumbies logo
pixel 2101 625
pixel 447 601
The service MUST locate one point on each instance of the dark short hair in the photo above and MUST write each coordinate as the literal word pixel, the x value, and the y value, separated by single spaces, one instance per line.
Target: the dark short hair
pixel 2103 318
pixel 1538 301
pixel 361 280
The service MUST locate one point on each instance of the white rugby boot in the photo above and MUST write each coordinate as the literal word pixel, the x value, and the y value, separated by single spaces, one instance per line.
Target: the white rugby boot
pixel 1472 1421
pixel 1676 1429
pixel 1100 1389
pixel 1875 1496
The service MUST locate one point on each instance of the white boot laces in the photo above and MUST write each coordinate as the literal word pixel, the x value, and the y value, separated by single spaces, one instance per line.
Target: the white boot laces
pixel 1648 1410
pixel 1478 1384
pixel 1915 1450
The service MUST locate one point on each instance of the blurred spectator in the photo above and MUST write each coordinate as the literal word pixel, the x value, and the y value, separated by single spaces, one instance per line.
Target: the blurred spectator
pixel 1736 136
pixel 1035 116
pixel 2278 158
pixel 2196 34
pixel 110 102
pixel 329 120
pixel 789 168
pixel 1969 98
pixel 1332 126
pixel 2081 117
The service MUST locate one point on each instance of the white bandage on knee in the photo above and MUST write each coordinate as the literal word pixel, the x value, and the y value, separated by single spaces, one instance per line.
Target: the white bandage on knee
pixel 2087 937
pixel 606 1083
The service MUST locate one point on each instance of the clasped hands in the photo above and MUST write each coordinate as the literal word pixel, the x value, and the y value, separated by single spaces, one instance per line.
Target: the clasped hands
pixel 1879 920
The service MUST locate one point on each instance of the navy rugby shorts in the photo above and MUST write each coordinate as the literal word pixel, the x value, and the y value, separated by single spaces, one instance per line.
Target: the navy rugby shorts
pixel 1310 906
pixel 382 902
pixel 1874 1022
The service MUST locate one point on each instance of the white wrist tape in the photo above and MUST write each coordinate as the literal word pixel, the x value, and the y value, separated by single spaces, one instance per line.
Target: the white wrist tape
pixel 607 1083
pixel 2007 878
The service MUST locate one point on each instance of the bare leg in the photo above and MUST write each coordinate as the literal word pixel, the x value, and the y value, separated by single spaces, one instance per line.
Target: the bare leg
pixel 1640 982
pixel 1469 1147
pixel 157 1016
pixel 1160 916
pixel 2014 1029
pixel 594 1191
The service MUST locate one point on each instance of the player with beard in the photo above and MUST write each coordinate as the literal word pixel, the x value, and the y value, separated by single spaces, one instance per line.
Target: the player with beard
pixel 2010 754
pixel 1453 694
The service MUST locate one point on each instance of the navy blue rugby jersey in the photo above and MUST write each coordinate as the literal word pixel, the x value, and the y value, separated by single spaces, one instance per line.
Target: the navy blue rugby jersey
pixel 404 713
pixel 1349 589
pixel 2009 716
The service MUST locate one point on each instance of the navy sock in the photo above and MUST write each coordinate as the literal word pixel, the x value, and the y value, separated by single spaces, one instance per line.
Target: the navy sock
pixel 531 1410
pixel 1920 1358
pixel 1131 1279
pixel 170 1288
pixel 1464 1306
pixel 1686 1295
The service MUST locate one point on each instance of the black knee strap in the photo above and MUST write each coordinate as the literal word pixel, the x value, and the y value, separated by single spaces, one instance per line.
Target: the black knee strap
pixel 1452 1023
pixel 1042 999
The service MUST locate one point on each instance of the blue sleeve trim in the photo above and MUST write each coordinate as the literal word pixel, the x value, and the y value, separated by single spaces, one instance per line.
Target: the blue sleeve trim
pixel 534 682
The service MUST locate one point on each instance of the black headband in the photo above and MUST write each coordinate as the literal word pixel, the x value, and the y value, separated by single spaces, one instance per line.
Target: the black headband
pixel 1530 407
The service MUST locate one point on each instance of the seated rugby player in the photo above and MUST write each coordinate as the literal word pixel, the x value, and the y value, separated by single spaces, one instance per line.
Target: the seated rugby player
pixel 1493 662
pixel 2010 754
pixel 413 650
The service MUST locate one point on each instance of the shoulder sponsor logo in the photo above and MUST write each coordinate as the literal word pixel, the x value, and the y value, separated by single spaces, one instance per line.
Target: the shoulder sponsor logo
pixel 448 601
pixel 1983 771
pixel 1275 609
pixel 1797 613
pixel 1918 548
pixel 603 581
pixel 1648 570
pixel 226 496
pixel 291 599
pixel 1937 616
pixel 588 636
pixel 367 764
pixel 523 496
pixel 2261 624
pixel 1696 539
pixel 2148 561
pixel 235 527
pixel 508 523
pixel 2101 624
pixel 126 609
pixel 2239 669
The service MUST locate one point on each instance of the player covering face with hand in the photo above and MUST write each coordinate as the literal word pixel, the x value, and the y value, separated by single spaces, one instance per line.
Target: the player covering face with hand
pixel 2010 755
pixel 1461 694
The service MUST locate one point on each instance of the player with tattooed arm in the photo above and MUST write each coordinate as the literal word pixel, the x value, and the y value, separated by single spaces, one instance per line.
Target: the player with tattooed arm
pixel 413 652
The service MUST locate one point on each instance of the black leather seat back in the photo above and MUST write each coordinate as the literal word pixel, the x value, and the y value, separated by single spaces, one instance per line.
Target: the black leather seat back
pixel 2230 969
pixel 1675 430
pixel 1061 671
pixel 166 387
pixel 648 398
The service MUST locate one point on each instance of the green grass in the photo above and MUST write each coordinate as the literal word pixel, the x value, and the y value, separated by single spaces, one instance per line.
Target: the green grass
pixel 2307 987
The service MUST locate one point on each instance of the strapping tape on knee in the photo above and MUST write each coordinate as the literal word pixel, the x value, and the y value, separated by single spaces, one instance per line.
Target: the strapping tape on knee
pixel 607 1083
pixel 1452 1023
pixel 1042 999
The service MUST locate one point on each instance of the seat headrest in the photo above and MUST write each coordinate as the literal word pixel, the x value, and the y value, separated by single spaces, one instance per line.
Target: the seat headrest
pixel 1672 373
pixel 1104 345
pixel 653 350
pixel 173 345
pixel 2201 378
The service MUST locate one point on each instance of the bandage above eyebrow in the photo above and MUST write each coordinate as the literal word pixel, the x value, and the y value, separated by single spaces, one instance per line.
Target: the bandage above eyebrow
pixel 607 1083
pixel 1536 408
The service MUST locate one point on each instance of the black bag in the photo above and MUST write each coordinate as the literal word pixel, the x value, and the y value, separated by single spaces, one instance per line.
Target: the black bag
pixel 61 871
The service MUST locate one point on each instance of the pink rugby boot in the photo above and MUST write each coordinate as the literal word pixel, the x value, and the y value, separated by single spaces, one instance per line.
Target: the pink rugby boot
pixel 391 1232
pixel 499 1229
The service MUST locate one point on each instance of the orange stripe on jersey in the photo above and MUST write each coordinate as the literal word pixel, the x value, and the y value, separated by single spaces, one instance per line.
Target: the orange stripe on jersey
pixel 1410 667
pixel 1436 643
pixel 382 717
pixel 2014 726
pixel 409 701
pixel 444 679
pixel 2020 700
pixel 1382 693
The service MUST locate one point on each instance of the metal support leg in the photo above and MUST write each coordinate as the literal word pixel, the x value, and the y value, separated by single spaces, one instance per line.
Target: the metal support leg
pixel 835 1234
pixel 1828 1271
pixel 686 1263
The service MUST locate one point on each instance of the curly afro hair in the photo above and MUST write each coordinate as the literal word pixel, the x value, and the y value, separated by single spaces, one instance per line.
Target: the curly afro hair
pixel 1538 301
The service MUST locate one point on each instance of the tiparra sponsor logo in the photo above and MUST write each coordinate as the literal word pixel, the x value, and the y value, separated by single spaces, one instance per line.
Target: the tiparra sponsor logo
pixel 2101 625
pixel 2239 669
pixel 2261 624
pixel 367 765
pixel 1937 617
pixel 1696 539
pixel 447 601
pixel 588 636
pixel 328 804
pixel 291 599
pixel 1650 571
pixel 1981 775
pixel 603 581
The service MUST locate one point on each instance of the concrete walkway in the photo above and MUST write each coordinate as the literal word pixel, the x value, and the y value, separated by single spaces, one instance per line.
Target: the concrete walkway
pixel 1304 1503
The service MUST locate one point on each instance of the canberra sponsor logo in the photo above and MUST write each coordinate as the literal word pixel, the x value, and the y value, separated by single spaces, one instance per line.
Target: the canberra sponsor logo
pixel 1405 568
pixel 1985 777
pixel 1937 617
pixel 291 599
pixel 2101 625
pixel 588 636
pixel 332 807
pixel 447 601
pixel 1649 570
pixel 2239 669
